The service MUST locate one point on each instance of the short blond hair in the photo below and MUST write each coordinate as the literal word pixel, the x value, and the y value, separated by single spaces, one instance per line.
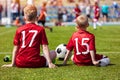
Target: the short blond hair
pixel 31 12
pixel 82 20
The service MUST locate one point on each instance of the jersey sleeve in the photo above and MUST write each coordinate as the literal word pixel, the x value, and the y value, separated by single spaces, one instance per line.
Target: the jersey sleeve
pixel 44 37
pixel 70 44
pixel 16 38
pixel 92 43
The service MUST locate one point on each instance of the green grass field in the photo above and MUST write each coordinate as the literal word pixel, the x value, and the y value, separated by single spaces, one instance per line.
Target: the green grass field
pixel 107 43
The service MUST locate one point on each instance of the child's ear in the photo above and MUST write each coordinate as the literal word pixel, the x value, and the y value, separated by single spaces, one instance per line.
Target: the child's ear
pixel 24 18
pixel 77 27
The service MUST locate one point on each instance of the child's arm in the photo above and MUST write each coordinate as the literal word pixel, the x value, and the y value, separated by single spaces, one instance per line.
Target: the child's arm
pixel 66 57
pixel 15 50
pixel 45 13
pixel 47 56
pixel 96 63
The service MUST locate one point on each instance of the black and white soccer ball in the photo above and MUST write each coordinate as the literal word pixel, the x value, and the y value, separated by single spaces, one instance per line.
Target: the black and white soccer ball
pixel 61 51
pixel 104 62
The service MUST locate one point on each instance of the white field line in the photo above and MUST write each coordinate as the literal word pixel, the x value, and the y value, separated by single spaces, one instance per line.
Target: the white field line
pixel 108 52
pixel 97 52
pixel 5 52
pixel 6 32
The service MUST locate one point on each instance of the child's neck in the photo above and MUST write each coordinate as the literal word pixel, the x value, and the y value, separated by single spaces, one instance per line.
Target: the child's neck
pixel 80 28
pixel 83 29
pixel 30 22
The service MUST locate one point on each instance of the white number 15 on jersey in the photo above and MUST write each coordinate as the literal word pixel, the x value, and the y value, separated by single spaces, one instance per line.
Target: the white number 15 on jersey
pixel 83 44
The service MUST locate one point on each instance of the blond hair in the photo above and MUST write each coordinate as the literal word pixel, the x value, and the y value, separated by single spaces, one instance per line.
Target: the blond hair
pixel 30 11
pixel 82 20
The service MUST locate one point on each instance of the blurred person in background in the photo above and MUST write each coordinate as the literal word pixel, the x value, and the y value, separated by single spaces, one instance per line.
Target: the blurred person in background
pixel 65 15
pixel 96 10
pixel 59 17
pixel 105 11
pixel 77 10
pixel 43 15
pixel 115 8
pixel 88 11
pixel 82 5
pixel 14 9
pixel 1 10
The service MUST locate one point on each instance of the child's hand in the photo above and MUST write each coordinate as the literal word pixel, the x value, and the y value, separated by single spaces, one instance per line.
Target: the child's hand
pixel 96 63
pixel 51 65
pixel 7 65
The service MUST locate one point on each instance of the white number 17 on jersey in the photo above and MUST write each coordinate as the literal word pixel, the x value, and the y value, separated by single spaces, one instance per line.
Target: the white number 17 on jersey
pixel 31 41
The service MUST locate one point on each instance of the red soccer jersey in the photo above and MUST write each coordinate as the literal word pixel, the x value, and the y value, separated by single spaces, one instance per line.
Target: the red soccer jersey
pixel 82 42
pixel 77 12
pixel 96 12
pixel 29 38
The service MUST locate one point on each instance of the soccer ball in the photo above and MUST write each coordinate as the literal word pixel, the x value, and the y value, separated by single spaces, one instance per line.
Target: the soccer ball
pixel 61 51
pixel 104 62
pixel 7 58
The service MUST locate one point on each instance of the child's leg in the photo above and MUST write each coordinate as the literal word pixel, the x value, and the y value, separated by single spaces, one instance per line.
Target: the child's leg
pixel 104 60
pixel 94 23
pixel 72 58
pixel 52 56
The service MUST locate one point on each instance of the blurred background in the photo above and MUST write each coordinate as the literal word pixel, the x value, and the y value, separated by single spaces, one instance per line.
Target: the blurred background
pixel 58 9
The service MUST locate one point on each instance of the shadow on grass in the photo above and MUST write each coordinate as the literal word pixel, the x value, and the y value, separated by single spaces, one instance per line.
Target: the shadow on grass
pixel 111 64
pixel 60 65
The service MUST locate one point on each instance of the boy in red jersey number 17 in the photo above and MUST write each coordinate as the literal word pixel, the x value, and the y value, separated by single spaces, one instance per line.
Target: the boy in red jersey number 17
pixel 27 41
pixel 83 43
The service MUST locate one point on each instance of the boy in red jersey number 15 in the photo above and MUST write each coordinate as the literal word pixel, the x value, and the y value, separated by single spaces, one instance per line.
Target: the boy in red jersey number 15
pixel 27 41
pixel 83 43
